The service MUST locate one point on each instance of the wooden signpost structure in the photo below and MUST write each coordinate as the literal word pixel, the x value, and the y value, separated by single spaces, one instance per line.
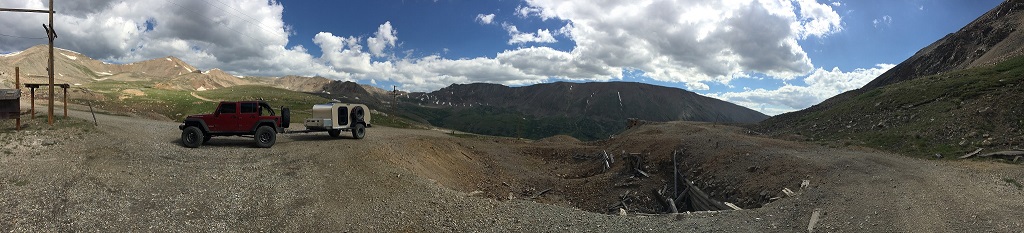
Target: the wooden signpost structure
pixel 50 34
pixel 33 86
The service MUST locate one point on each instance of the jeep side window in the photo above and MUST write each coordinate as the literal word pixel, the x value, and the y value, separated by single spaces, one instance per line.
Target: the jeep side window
pixel 249 108
pixel 226 108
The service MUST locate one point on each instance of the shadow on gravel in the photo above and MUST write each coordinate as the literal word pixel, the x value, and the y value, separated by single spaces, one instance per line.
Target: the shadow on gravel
pixel 240 142
pixel 316 137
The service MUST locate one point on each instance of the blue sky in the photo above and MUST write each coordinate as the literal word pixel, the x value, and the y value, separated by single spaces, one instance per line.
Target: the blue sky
pixel 773 56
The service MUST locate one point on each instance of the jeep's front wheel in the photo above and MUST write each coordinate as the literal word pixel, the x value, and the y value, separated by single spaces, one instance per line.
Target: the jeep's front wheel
pixel 358 131
pixel 265 137
pixel 334 132
pixel 192 137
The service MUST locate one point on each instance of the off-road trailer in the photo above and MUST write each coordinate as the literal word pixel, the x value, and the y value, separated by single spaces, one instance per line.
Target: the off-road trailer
pixel 336 117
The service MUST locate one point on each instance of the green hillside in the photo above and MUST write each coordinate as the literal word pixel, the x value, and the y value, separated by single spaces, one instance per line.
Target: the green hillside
pixel 951 113
pixel 491 120
pixel 140 98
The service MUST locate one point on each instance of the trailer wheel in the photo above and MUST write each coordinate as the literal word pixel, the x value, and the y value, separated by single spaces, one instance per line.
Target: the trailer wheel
pixel 334 132
pixel 358 131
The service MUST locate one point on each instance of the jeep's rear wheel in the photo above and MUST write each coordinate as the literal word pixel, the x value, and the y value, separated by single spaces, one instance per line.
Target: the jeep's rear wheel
pixel 334 132
pixel 192 137
pixel 265 137
pixel 358 131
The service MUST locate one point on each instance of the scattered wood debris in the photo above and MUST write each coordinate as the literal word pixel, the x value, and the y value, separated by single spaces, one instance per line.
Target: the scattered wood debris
pixel 968 155
pixel 538 194
pixel 788 192
pixel 1009 153
pixel 733 206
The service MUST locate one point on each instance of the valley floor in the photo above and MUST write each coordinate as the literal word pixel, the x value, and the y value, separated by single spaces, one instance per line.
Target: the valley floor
pixel 131 174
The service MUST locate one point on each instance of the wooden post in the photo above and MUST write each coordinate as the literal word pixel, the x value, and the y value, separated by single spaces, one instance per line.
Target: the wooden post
pixel 33 98
pixel 65 102
pixel 17 84
pixel 51 34
pixel 94 122
pixel 675 179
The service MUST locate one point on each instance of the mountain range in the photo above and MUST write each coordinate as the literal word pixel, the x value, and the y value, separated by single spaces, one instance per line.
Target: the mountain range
pixel 584 110
pixel 169 73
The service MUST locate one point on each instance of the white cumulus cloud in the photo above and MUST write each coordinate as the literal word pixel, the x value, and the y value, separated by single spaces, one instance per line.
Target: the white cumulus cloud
pixel 384 37
pixel 885 20
pixel 485 19
pixel 691 42
pixel 821 84
pixel 517 37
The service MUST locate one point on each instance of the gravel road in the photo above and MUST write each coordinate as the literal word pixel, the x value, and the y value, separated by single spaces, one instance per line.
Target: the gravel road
pixel 131 174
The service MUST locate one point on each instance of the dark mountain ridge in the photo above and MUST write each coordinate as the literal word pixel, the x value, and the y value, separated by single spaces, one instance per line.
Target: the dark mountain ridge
pixel 610 100
pixel 586 111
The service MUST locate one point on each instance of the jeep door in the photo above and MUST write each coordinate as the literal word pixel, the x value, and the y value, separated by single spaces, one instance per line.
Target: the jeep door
pixel 224 119
pixel 248 116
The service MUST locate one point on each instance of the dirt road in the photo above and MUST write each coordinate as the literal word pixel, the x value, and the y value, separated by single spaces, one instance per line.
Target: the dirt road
pixel 131 174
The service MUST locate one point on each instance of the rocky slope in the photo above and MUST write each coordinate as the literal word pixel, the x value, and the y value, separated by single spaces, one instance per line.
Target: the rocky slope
pixel 958 94
pixel 989 39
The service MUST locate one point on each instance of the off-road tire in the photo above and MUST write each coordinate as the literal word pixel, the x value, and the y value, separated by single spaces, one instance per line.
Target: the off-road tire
pixel 334 132
pixel 192 137
pixel 358 131
pixel 265 137
pixel 286 117
pixel 357 114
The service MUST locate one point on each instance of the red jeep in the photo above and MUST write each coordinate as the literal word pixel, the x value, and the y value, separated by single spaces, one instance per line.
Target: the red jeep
pixel 240 118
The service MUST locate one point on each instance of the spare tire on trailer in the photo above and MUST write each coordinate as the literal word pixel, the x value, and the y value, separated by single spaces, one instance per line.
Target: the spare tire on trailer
pixel 286 117
pixel 357 114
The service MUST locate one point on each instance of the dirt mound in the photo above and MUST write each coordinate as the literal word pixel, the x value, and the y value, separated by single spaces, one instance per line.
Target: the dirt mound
pixel 624 172
pixel 561 138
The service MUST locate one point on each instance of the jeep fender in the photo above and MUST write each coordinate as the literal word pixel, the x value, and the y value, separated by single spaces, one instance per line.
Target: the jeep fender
pixel 193 122
pixel 268 122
